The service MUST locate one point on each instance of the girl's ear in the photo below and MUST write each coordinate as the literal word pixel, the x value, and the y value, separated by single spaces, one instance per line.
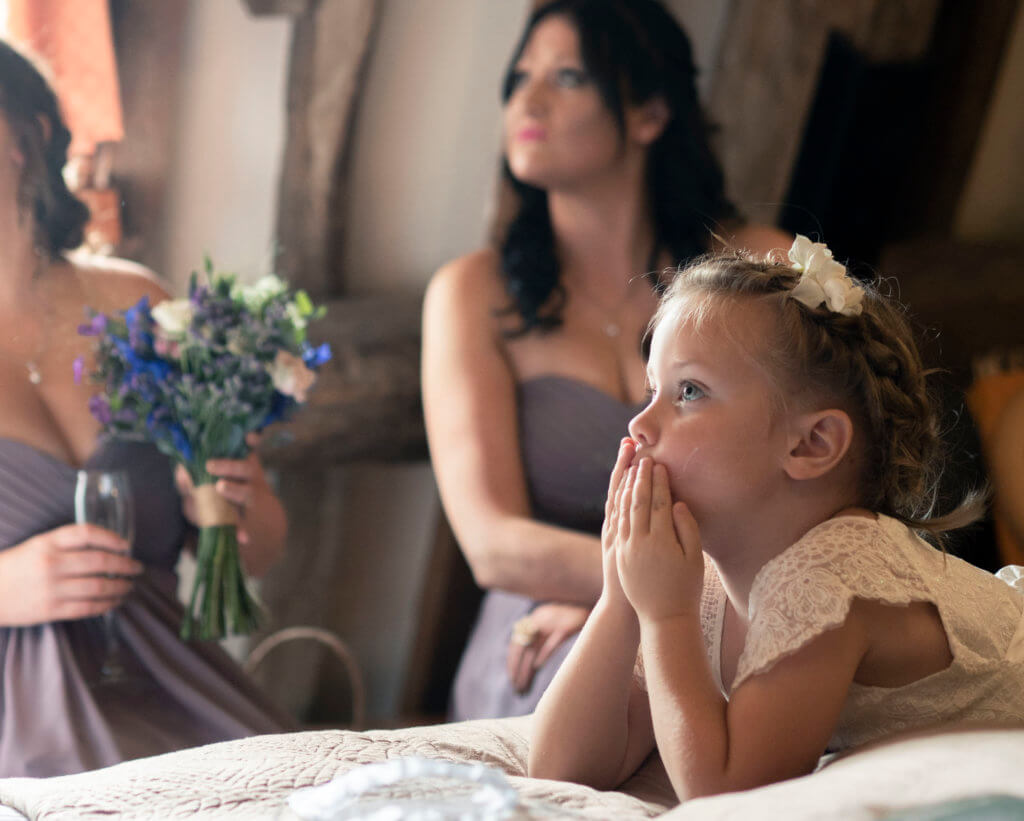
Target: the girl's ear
pixel 818 443
pixel 647 121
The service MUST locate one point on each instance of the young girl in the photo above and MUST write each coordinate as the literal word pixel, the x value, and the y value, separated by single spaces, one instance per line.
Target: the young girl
pixel 761 551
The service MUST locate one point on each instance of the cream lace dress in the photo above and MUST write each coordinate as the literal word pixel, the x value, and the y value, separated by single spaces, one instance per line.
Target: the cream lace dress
pixel 809 587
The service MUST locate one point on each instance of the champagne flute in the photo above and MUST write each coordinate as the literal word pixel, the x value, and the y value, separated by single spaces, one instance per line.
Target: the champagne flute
pixel 103 498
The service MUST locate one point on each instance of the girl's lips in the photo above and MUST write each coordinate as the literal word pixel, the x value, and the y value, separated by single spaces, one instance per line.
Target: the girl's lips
pixel 530 133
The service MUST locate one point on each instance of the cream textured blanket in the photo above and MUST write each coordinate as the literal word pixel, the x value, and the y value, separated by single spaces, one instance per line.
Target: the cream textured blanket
pixel 252 778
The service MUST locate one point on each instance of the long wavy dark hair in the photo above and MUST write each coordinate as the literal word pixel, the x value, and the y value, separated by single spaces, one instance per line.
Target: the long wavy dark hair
pixel 635 51
pixel 30 107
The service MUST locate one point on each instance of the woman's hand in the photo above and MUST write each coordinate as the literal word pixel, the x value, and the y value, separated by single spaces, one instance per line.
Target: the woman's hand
pixel 261 519
pixel 72 572
pixel 537 635
pixel 242 482
pixel 658 547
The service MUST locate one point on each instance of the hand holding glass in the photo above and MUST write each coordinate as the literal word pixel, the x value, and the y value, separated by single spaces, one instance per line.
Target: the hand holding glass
pixel 103 498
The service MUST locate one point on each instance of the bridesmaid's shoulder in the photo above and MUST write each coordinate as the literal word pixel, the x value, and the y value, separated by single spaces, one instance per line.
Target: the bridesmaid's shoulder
pixel 117 282
pixel 471 281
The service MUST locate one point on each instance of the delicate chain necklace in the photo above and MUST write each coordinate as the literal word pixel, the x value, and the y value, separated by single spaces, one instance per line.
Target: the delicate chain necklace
pixel 33 371
pixel 610 325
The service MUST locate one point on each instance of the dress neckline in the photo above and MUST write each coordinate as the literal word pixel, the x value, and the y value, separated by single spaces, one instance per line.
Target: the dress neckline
pixel 100 447
pixel 587 386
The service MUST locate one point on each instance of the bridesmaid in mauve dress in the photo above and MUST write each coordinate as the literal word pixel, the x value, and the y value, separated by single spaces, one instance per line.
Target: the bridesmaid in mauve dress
pixel 532 360
pixel 57 578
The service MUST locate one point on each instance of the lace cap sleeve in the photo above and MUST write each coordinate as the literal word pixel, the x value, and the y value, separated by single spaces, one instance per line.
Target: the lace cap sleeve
pixel 808 588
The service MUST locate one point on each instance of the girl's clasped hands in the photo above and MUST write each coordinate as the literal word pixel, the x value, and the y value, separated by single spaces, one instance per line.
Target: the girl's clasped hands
pixel 653 561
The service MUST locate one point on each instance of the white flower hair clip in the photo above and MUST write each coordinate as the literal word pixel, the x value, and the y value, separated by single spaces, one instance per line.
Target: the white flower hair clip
pixel 823 280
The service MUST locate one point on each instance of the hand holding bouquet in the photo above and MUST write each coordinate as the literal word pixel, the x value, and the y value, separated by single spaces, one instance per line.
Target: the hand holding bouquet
pixel 195 376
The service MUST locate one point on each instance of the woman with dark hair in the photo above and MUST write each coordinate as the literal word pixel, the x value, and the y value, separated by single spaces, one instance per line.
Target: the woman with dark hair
pixel 531 351
pixel 58 714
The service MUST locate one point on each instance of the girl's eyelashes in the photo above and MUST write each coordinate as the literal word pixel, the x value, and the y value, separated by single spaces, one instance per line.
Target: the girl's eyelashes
pixel 689 391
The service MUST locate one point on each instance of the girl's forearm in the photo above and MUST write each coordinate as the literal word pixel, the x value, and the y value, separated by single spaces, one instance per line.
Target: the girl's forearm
pixel 580 729
pixel 687 709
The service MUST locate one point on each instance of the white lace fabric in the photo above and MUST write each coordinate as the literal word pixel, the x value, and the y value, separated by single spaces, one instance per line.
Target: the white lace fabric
pixel 809 588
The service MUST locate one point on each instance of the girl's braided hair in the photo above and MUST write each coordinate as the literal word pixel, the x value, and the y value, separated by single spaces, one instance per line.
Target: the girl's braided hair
pixel 867 364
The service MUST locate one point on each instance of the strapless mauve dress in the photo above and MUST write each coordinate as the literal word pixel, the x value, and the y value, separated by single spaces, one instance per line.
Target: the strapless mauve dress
pixel 569 433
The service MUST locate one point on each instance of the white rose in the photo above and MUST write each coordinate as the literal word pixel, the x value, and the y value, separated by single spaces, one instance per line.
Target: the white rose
pixel 173 317
pixel 291 376
pixel 258 294
pixel 823 279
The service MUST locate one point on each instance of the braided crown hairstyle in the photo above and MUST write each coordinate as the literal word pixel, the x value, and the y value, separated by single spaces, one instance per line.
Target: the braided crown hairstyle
pixel 635 51
pixel 30 108
pixel 868 365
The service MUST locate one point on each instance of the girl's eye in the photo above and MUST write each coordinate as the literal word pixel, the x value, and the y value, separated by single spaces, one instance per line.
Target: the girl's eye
pixel 689 392
pixel 571 77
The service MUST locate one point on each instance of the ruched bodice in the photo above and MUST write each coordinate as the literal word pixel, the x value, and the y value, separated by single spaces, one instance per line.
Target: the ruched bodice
pixel 37 494
pixel 569 433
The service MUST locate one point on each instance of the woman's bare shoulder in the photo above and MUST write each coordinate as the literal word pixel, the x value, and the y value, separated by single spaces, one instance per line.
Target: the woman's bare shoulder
pixel 757 238
pixel 118 283
pixel 470 282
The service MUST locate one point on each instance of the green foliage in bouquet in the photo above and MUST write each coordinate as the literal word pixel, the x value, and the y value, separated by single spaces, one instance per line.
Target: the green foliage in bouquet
pixel 195 376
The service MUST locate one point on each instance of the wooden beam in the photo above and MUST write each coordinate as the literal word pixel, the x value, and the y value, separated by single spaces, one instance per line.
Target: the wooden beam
pixel 366 403
pixel 329 47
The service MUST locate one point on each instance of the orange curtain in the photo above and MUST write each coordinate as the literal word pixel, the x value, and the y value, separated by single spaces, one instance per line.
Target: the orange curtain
pixel 988 399
pixel 74 38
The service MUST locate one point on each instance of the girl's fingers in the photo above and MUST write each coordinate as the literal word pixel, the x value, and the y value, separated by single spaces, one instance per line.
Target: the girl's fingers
pixel 615 508
pixel 661 502
pixel 640 504
pixel 626 451
pixel 624 505
pixel 687 531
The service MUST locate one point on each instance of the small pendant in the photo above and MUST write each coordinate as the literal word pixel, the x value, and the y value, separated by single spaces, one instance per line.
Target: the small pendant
pixel 611 329
pixel 34 375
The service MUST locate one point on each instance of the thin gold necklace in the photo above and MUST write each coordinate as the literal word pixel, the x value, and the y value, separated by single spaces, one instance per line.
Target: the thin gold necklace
pixel 610 324
pixel 32 368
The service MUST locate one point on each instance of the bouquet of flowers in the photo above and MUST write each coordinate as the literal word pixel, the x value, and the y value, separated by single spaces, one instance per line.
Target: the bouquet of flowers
pixel 194 376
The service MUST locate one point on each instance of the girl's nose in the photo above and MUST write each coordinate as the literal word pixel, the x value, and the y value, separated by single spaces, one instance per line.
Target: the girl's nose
pixel 642 427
